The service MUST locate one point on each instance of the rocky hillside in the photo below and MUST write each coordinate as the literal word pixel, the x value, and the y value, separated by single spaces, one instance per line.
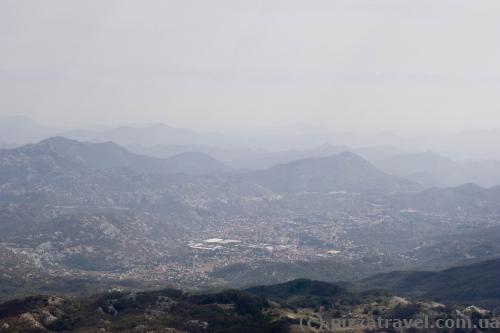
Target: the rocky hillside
pixel 273 309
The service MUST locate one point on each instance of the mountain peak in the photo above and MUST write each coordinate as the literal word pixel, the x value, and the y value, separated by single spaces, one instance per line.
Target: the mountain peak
pixel 58 140
pixel 65 143
pixel 351 156
pixel 346 172
pixel 106 155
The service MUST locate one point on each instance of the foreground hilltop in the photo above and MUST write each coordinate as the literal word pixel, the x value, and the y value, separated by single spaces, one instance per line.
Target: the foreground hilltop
pixel 273 309
pixel 451 294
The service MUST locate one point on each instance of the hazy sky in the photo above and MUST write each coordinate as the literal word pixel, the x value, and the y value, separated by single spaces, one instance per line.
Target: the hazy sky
pixel 348 65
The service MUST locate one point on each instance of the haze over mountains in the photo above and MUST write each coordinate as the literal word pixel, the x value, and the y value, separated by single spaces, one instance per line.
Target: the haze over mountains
pixel 343 172
pixel 431 169
pixel 99 209
pixel 136 197
pixel 188 166
pixel 56 157
pixel 172 192
pixel 80 217
pixel 468 144
pixel 391 154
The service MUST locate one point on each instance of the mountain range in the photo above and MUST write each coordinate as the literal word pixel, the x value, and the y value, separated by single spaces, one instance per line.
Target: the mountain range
pixel 345 172
pixel 469 198
pixel 58 156
pixel 431 169
pixel 98 212
pixel 61 155
pixel 477 145
pixel 398 157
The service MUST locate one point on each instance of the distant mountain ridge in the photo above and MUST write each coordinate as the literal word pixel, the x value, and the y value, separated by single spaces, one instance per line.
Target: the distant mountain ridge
pixel 20 130
pixel 59 156
pixel 343 172
pixel 225 155
pixel 431 169
pixel 267 160
pixel 464 198
pixel 65 156
pixel 156 134
pixel 427 168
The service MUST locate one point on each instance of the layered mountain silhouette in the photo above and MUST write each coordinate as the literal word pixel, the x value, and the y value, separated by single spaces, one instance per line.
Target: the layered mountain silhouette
pixel 60 156
pixel 431 169
pixel 464 198
pixel 345 172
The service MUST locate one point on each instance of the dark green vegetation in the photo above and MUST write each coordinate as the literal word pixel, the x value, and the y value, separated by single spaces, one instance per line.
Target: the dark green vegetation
pixel 300 287
pixel 303 293
pixel 329 270
pixel 472 284
pixel 477 284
